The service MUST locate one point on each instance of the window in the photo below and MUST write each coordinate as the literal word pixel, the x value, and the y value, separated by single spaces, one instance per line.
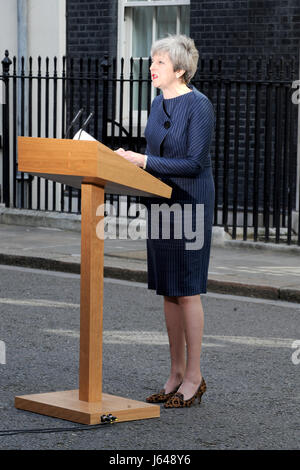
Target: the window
pixel 140 24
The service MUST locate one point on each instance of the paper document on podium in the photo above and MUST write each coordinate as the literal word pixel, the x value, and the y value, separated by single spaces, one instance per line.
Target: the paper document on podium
pixel 82 135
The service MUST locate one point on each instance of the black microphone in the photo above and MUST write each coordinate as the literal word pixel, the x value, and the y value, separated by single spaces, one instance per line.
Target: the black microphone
pixel 74 121
pixel 84 125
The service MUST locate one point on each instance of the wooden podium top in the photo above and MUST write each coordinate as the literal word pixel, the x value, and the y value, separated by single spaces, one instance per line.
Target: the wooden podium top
pixel 74 162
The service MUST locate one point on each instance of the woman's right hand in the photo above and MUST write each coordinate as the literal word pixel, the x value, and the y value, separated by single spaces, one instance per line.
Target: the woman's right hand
pixel 137 159
pixel 120 151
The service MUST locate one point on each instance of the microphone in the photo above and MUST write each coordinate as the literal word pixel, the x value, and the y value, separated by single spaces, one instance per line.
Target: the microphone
pixel 84 125
pixel 74 121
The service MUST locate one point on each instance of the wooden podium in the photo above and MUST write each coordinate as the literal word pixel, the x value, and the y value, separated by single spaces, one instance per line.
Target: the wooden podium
pixel 95 169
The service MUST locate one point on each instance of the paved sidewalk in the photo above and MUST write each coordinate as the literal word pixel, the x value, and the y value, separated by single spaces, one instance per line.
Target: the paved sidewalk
pixel 256 272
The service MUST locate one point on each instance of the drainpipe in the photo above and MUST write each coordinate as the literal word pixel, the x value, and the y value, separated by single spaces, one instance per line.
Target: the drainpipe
pixel 22 28
pixel 22 48
pixel 22 52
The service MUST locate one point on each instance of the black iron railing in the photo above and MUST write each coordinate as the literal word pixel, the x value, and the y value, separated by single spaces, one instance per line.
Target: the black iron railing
pixel 254 150
pixel 255 147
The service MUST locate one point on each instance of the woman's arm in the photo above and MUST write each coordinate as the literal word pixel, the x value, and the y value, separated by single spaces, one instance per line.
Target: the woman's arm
pixel 200 132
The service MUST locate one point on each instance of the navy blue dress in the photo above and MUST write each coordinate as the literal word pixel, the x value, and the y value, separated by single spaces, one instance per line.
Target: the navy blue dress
pixel 178 134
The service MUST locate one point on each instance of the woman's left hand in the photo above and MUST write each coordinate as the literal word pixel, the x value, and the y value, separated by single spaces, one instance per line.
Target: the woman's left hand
pixel 137 158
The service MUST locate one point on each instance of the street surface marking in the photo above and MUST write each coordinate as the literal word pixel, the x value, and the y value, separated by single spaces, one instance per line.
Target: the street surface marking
pixel 45 248
pixel 160 338
pixel 38 303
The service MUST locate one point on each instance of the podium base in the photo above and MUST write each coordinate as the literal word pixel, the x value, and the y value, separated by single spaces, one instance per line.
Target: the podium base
pixel 66 405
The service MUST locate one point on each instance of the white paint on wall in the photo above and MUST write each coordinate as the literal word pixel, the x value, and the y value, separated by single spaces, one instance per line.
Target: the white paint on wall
pixel 46 28
pixel 9 27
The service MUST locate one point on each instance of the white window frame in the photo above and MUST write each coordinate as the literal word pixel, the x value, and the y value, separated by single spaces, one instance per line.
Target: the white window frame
pixel 125 43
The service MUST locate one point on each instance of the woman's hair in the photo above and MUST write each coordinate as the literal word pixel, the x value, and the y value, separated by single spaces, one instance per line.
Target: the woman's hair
pixel 182 52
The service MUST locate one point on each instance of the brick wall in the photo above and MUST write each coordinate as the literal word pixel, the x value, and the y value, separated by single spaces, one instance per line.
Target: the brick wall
pixel 228 28
pixel 91 33
pixel 91 27
pixel 246 27
pixel 241 28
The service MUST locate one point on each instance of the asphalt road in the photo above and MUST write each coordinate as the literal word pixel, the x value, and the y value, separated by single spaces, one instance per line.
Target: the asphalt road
pixel 249 364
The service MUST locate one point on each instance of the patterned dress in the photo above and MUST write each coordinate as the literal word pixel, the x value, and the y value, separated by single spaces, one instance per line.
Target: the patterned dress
pixel 178 134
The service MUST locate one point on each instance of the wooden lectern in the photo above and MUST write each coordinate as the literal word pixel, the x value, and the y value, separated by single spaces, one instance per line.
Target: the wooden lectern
pixel 95 169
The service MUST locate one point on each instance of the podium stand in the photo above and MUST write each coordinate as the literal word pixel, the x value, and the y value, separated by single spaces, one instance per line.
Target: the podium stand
pixel 95 169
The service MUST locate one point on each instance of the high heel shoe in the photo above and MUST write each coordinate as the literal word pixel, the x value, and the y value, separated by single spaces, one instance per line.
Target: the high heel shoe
pixel 161 396
pixel 177 399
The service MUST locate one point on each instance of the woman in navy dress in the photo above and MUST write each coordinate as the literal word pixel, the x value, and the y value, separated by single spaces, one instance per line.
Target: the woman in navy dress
pixel 178 134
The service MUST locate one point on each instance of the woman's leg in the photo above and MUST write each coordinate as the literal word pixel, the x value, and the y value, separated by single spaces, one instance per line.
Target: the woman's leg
pixel 193 322
pixel 175 329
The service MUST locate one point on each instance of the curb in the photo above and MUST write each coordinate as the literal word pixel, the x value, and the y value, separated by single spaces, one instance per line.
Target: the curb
pixel 213 285
pixel 35 218
pixel 247 290
pixel 47 264
pixel 238 244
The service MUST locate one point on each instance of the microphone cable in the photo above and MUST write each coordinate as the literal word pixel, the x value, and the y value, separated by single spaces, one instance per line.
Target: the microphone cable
pixel 104 419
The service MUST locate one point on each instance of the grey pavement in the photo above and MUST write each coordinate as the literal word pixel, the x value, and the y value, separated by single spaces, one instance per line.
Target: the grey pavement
pixel 236 268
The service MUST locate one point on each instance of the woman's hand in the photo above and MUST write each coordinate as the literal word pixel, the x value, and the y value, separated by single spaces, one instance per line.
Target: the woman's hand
pixel 137 158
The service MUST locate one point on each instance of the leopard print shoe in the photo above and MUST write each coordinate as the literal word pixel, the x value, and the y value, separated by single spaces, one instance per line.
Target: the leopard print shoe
pixel 161 396
pixel 177 399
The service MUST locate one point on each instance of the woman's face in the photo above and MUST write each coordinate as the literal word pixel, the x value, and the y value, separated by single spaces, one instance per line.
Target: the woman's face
pixel 162 71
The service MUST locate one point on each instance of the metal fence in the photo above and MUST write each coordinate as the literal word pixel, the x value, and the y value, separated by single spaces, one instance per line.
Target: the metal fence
pixel 38 101
pixel 254 150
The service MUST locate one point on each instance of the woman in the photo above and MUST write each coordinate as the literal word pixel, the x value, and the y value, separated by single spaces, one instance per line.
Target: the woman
pixel 178 133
